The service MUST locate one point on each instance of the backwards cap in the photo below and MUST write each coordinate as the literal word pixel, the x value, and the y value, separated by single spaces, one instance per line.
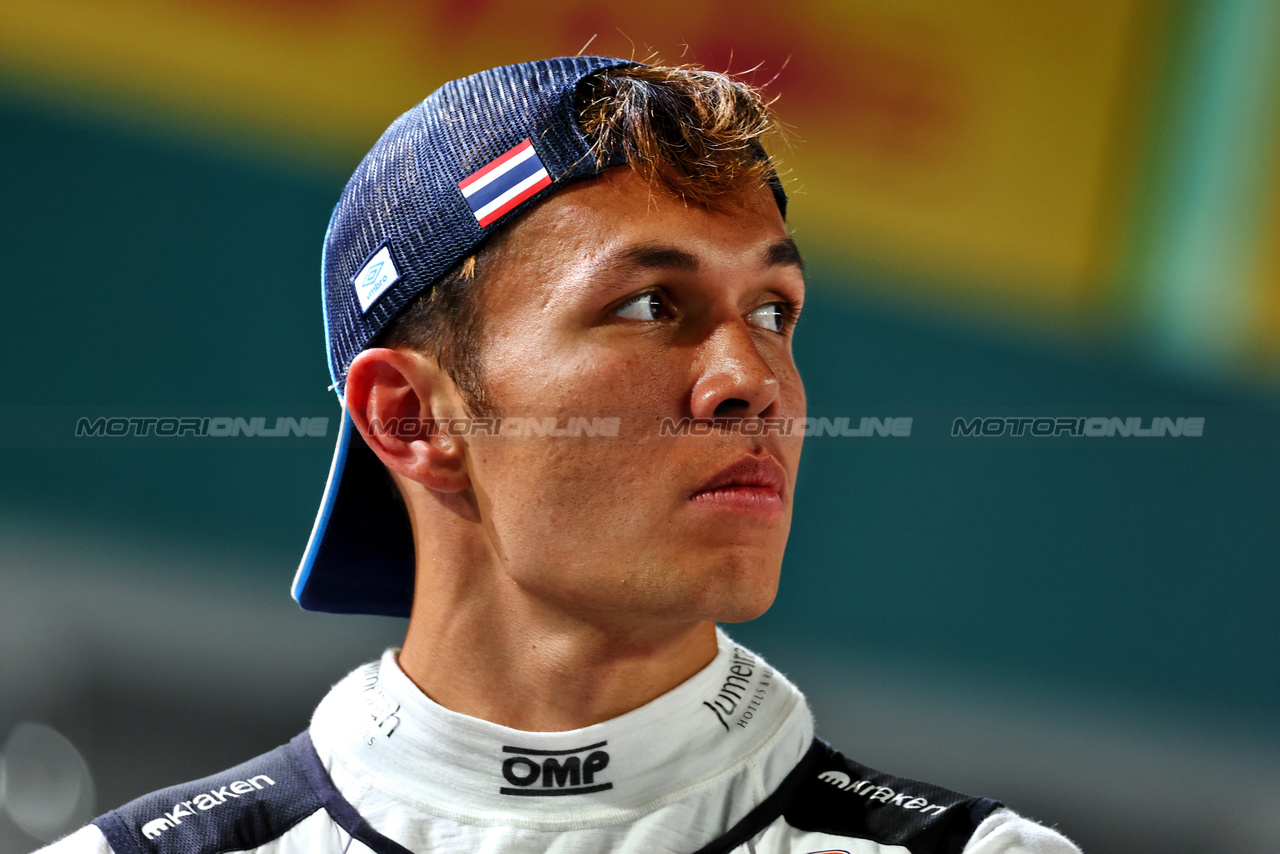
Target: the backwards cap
pixel 446 174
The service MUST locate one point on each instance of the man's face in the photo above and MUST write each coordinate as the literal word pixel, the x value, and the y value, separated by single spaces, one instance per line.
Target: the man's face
pixel 611 301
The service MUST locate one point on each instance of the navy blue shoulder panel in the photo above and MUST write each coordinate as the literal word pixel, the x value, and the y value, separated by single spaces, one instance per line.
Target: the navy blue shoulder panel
pixel 829 793
pixel 844 798
pixel 244 807
pixel 338 807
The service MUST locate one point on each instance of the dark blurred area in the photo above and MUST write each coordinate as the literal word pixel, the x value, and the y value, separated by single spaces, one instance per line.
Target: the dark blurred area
pixel 1009 211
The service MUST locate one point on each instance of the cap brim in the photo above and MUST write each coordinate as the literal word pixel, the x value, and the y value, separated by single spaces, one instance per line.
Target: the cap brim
pixel 359 559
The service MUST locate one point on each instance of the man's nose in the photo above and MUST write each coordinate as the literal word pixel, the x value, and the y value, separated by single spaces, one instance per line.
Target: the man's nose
pixel 736 381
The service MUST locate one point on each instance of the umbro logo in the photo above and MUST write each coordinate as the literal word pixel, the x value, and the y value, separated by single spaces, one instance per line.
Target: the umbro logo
pixel 373 279
pixel 555 772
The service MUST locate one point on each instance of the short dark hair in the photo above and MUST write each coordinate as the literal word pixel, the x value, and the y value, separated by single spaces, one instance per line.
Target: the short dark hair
pixel 446 323
pixel 693 133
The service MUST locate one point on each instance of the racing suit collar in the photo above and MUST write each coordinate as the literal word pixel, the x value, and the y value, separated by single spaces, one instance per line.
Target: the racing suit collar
pixel 721 727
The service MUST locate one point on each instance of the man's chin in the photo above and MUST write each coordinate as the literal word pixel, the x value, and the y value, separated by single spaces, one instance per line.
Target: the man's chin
pixel 745 592
pixel 745 613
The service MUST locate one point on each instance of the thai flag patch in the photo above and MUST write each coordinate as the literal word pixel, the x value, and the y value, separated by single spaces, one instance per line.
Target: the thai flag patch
pixel 504 182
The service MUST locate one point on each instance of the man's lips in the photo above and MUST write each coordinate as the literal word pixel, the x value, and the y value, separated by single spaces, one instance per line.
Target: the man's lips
pixel 752 483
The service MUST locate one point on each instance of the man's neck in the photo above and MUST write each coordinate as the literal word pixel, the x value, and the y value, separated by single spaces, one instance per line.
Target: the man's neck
pixel 512 664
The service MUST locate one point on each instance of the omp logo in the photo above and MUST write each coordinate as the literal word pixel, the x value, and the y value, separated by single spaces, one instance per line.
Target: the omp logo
pixel 203 802
pixel 554 772
pixel 883 794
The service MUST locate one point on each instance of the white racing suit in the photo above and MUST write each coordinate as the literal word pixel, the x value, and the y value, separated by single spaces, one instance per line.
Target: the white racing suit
pixel 725 762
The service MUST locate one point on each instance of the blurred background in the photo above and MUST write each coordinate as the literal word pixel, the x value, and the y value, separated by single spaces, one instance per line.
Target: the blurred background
pixel 1009 209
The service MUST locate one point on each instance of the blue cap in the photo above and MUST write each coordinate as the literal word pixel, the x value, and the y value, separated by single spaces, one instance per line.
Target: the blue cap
pixel 446 174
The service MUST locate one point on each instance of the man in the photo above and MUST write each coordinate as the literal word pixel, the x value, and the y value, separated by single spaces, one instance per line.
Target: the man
pixel 532 280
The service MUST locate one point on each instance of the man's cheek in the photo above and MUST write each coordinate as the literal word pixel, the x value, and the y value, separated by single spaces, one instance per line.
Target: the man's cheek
pixel 620 502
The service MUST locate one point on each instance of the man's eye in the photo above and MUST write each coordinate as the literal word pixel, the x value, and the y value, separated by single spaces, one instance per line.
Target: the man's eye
pixel 648 306
pixel 772 317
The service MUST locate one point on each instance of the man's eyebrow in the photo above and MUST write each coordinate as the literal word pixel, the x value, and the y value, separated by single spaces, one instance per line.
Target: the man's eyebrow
pixel 655 256
pixel 661 256
pixel 618 269
pixel 783 253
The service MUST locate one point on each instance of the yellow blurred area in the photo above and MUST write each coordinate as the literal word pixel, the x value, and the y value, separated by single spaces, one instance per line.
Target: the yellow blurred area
pixel 1266 284
pixel 985 155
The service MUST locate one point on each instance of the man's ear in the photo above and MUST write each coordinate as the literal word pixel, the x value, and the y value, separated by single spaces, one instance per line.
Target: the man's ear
pixel 395 398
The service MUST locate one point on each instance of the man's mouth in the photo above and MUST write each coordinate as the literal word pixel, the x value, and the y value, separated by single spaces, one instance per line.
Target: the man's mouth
pixel 751 485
